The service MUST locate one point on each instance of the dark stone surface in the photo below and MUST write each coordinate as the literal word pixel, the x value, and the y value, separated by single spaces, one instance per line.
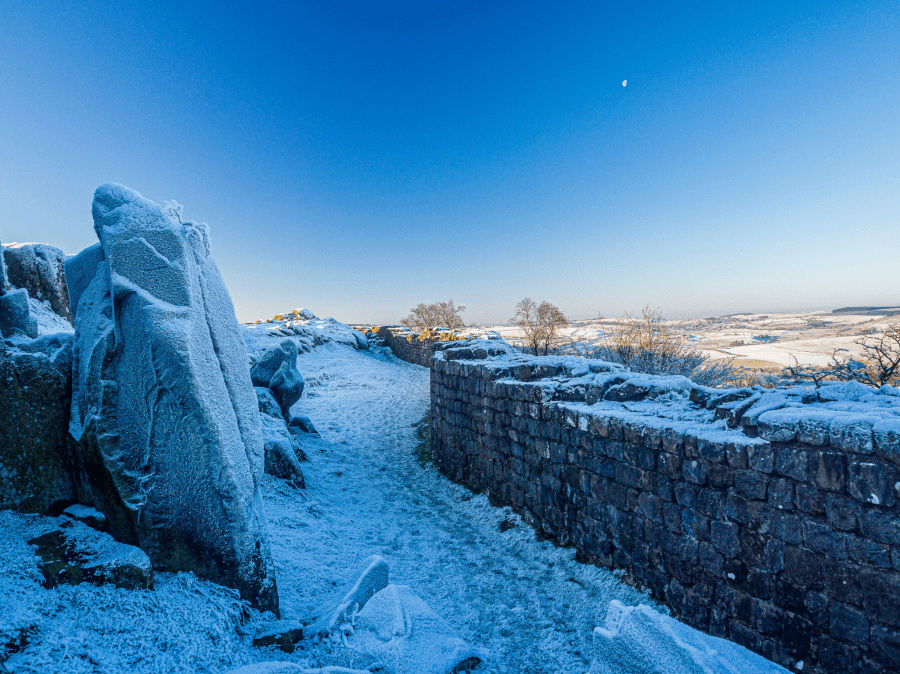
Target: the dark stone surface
pixel 15 315
pixel 34 418
pixel 778 546
pixel 75 553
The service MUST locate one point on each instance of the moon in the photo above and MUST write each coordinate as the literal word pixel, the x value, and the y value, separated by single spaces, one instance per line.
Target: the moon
pixel 624 83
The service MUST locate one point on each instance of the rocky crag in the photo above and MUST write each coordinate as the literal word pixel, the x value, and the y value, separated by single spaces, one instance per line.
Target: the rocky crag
pixel 165 425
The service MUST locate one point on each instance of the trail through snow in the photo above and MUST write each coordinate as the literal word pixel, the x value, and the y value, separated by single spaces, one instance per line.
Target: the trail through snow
pixel 527 603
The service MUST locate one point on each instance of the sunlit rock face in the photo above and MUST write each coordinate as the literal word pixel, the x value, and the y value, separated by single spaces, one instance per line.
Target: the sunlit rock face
pixel 164 415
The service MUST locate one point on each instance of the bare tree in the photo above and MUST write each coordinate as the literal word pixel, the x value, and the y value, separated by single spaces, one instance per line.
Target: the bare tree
pixel 449 314
pixel 437 315
pixel 882 355
pixel 541 324
pixel 647 344
pixel 880 362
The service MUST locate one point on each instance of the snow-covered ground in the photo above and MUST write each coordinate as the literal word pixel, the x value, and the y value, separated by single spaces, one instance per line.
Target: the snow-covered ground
pixel 527 605
pixel 756 341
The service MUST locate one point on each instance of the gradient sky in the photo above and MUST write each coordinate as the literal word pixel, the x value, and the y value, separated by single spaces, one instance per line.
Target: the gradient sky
pixel 359 158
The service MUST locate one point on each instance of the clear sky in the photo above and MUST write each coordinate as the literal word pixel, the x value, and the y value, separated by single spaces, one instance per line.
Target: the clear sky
pixel 357 158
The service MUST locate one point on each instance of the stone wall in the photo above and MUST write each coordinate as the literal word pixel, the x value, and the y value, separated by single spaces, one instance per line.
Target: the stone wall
pixel 769 521
pixel 406 345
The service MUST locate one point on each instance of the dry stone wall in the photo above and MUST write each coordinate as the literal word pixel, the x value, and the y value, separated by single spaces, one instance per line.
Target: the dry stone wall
pixel 770 519
pixel 407 346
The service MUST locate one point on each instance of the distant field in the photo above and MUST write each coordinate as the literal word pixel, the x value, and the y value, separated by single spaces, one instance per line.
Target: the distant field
pixel 756 341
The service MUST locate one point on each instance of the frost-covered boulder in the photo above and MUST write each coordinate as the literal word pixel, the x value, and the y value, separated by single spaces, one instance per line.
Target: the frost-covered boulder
pixel 15 315
pixel 639 639
pixel 39 269
pixel 34 416
pixel 371 576
pixel 400 632
pixel 76 553
pixel 282 451
pixel 164 416
pixel 277 370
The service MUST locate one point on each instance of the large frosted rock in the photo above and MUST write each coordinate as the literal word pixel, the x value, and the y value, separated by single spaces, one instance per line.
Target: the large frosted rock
pixel 277 370
pixel 400 632
pixel 40 269
pixel 163 412
pixel 34 404
pixel 639 639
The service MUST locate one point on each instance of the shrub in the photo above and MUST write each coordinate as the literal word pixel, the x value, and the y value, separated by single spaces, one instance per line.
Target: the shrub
pixel 646 344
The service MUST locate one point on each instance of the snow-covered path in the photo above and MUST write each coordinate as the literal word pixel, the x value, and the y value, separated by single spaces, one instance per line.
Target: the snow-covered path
pixel 527 603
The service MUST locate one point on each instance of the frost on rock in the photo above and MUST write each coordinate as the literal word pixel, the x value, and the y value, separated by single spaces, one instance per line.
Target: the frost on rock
pixel 639 639
pixel 277 370
pixel 165 418
pixel 282 450
pixel 15 315
pixel 290 668
pixel 371 576
pixel 86 515
pixel 76 553
pixel 46 320
pixel 39 269
pixel 400 632
pixel 80 271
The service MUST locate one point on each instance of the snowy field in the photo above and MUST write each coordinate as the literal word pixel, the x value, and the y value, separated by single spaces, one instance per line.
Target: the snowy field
pixel 756 341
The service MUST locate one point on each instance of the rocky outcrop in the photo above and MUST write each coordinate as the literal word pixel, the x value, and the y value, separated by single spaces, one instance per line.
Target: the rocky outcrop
pixel 277 370
pixel 39 269
pixel 34 417
pixel 282 450
pixel 165 422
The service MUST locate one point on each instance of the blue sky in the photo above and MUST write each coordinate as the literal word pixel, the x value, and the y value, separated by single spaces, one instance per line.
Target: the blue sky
pixel 357 158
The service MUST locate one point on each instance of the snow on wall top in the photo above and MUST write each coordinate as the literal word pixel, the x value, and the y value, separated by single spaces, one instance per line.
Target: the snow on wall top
pixel 844 414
